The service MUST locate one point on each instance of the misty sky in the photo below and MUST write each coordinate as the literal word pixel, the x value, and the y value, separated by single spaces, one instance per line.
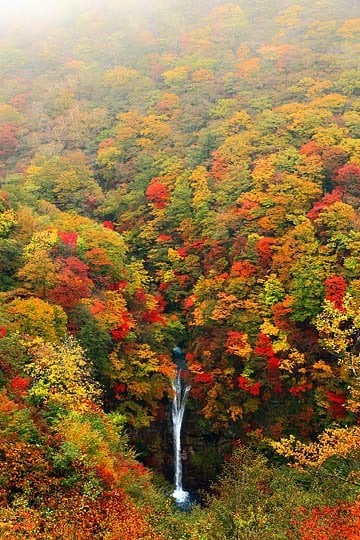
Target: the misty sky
pixel 25 10
pixel 38 12
pixel 35 12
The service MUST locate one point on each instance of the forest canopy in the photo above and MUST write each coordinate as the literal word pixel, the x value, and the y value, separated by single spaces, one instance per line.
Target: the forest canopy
pixel 183 174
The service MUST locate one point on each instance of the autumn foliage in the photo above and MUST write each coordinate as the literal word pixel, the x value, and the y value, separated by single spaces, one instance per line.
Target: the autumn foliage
pixel 185 173
pixel 330 523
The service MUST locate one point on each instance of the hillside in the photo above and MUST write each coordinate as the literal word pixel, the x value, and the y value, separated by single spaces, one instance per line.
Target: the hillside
pixel 187 175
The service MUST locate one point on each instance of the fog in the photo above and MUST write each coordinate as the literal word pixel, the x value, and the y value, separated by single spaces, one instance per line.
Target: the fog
pixel 41 15
pixel 34 11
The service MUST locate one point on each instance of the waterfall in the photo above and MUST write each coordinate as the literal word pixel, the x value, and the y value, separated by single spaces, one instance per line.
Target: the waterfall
pixel 178 408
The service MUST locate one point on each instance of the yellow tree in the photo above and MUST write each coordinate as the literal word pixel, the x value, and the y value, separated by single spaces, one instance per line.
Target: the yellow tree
pixel 339 329
pixel 61 374
pixel 35 317
pixel 39 271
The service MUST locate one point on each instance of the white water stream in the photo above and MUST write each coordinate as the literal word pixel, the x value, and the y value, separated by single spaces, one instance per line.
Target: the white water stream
pixel 178 408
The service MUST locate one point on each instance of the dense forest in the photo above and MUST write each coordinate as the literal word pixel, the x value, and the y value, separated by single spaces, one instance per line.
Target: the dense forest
pixel 180 173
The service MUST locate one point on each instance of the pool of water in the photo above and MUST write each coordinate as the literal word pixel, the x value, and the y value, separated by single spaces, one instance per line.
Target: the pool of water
pixel 186 501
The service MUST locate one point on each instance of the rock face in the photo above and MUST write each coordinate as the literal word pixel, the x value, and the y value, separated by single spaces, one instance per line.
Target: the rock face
pixel 203 452
pixel 179 357
pixel 203 455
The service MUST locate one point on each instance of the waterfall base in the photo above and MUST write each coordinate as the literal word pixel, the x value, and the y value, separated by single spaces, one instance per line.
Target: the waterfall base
pixel 184 500
pixel 180 496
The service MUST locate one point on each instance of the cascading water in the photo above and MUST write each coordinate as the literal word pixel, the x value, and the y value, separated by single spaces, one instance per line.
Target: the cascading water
pixel 178 407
